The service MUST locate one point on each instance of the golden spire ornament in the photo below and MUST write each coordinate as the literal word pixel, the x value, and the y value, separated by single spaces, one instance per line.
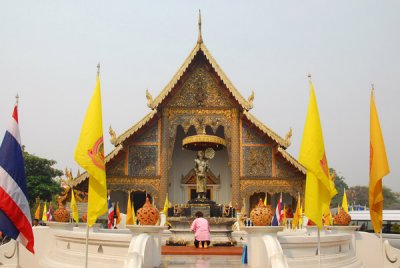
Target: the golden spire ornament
pixel 200 37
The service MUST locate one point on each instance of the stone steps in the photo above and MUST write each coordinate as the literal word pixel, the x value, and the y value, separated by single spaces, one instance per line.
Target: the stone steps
pixel 345 260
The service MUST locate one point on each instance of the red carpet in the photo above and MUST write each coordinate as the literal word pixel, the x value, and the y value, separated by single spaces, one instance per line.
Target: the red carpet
pixel 191 250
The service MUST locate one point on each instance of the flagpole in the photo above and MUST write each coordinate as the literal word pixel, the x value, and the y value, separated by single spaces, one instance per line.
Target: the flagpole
pixel 87 244
pixel 319 247
pixel 382 248
pixel 17 251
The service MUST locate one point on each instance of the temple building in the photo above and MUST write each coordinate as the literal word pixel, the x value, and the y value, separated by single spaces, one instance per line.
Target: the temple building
pixel 148 157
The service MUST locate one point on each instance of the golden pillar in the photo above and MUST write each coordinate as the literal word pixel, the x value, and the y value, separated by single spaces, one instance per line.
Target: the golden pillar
pixel 235 158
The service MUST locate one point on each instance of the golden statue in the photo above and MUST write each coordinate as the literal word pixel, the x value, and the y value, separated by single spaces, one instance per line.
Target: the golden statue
pixel 201 169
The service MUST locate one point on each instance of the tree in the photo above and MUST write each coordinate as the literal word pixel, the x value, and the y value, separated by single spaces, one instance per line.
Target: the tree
pixel 340 184
pixel 359 195
pixel 40 177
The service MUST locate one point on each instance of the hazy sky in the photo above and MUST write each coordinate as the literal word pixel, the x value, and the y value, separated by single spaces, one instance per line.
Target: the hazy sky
pixel 49 51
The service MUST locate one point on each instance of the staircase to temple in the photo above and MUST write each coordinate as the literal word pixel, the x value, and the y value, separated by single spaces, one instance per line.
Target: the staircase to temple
pixel 192 250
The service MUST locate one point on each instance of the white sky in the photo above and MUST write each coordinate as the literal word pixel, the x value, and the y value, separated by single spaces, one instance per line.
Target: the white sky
pixel 49 51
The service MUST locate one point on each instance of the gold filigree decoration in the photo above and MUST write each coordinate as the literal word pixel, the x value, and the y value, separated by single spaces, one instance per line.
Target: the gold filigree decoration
pixel 113 136
pixel 149 98
pixel 291 186
pixel 250 100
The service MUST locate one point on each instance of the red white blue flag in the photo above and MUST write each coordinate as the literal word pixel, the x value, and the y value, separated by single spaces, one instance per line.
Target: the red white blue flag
pixel 278 212
pixel 110 213
pixel 15 215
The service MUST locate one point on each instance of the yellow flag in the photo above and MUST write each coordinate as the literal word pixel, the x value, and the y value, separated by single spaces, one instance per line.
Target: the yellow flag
pixel 74 206
pixel 89 154
pixel 44 215
pixel 327 217
pixel 118 214
pixel 378 168
pixel 319 187
pixel 37 212
pixel 301 216
pixel 284 215
pixel 133 213
pixel 166 204
pixel 297 215
pixel 129 217
pixel 345 205
pixel 265 199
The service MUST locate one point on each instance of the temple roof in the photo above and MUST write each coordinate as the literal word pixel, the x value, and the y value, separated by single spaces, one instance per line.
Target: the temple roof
pixel 292 160
pixel 266 130
pixel 121 138
pixel 200 47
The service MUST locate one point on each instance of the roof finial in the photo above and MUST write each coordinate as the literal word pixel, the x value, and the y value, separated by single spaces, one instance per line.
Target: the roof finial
pixel 16 99
pixel 98 69
pixel 200 37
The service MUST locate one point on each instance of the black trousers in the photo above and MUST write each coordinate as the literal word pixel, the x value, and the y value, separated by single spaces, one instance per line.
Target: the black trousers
pixel 196 243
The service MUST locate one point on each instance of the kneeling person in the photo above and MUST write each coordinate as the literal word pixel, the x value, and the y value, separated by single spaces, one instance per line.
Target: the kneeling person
pixel 201 229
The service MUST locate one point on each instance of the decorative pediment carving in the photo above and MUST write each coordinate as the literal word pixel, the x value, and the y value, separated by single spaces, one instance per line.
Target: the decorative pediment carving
pixel 201 89
pixel 190 178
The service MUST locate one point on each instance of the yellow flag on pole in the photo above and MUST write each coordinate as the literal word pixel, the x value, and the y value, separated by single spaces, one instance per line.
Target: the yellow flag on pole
pixel 118 214
pixel 265 199
pixel 129 217
pixel 345 205
pixel 37 212
pixel 378 167
pixel 89 154
pixel 166 204
pixel 44 214
pixel 327 217
pixel 297 214
pixel 319 187
pixel 133 213
pixel 74 207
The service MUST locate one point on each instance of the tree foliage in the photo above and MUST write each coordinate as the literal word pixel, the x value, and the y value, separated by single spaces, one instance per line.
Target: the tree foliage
pixel 40 176
pixel 340 184
pixel 359 195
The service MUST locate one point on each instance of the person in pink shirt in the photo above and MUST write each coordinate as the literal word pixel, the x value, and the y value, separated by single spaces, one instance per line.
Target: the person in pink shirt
pixel 201 229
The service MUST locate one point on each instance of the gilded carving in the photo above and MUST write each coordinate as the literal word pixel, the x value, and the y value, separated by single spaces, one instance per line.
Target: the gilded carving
pixel 250 136
pixel 150 135
pixel 201 89
pixel 116 168
pixel 257 161
pixel 143 160
pixel 291 186
pixel 150 185
pixel 284 170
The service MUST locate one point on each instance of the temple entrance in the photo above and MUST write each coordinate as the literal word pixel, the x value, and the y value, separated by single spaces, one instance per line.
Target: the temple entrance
pixel 139 198
pixel 179 190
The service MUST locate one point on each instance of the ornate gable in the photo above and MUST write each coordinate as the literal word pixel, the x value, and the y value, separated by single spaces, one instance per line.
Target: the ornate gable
pixel 201 87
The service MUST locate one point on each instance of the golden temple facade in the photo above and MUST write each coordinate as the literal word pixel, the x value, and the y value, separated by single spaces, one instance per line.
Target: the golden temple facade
pixel 148 157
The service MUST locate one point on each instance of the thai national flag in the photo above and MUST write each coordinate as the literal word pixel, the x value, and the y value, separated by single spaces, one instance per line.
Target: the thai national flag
pixel 15 215
pixel 110 213
pixel 49 213
pixel 278 212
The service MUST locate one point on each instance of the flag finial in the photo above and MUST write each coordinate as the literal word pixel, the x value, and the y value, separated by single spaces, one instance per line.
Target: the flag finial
pixel 16 99
pixel 200 37
pixel 309 76
pixel 98 69
pixel 372 87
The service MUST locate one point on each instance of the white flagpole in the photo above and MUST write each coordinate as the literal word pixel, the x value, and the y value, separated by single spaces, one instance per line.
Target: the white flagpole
pixel 87 244
pixel 382 249
pixel 319 248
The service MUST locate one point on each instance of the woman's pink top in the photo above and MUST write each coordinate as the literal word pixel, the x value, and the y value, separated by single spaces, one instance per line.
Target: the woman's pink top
pixel 201 229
